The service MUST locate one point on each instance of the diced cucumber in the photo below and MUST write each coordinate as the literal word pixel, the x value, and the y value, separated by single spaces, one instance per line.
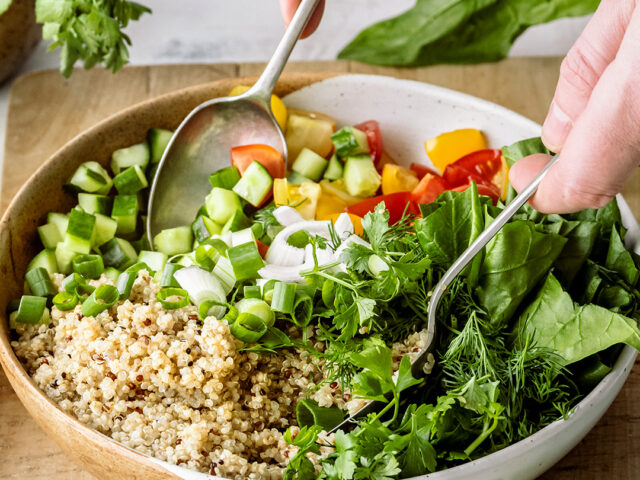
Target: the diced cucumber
pixel 225 178
pixel 237 222
pixel 60 220
pixel 309 164
pixel 255 185
pixel 186 260
pixel 360 176
pixel 128 157
pixel 335 169
pixel 93 203
pixel 242 236
pixel 118 253
pixel 45 259
pixel 105 230
pixel 125 212
pixel 173 241
pixel 158 140
pixel 296 179
pixel 49 235
pixel 222 204
pixel 154 260
pixel 112 274
pixel 131 180
pixel 64 257
pixel 90 177
pixel 203 227
pixel 79 231
pixel 350 141
pixel 143 242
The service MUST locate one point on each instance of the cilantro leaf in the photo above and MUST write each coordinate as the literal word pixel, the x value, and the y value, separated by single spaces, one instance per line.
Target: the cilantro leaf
pixel 405 377
pixel 376 224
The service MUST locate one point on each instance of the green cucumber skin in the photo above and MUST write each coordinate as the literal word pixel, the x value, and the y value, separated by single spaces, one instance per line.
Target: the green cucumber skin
pixel 335 170
pixel 124 158
pixel 255 185
pixel 310 165
pixel 158 139
pixel 226 178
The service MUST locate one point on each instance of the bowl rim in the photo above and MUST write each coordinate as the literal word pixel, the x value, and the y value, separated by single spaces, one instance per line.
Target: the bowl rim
pixel 15 371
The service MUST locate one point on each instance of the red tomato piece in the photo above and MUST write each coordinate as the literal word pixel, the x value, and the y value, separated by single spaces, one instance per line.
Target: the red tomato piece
pixel 483 189
pixel 429 188
pixel 262 248
pixel 396 203
pixel 421 170
pixel 480 167
pixel 374 137
pixel 266 155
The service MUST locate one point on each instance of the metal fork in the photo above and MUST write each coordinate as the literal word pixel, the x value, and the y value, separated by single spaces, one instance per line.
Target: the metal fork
pixel 462 261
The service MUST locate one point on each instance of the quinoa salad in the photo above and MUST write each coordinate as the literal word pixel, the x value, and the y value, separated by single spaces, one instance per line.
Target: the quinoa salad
pixel 248 343
pixel 179 388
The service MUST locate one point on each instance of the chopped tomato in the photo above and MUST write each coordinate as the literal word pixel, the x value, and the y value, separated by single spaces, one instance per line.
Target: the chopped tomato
pixel 421 170
pixel 429 188
pixel 267 156
pixel 480 166
pixel 374 137
pixel 396 203
pixel 483 189
pixel 262 248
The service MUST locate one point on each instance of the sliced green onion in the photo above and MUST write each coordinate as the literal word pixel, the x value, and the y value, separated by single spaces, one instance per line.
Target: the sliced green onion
pixel 231 316
pixel 40 282
pixel 328 293
pixel 267 290
pixel 102 298
pixel 166 293
pixel 308 412
pixel 87 265
pixel 206 256
pixel 74 283
pixel 245 260
pixel 302 309
pixel 284 295
pixel 65 301
pixel 126 279
pixel 167 279
pixel 209 308
pixel 257 307
pixel 252 291
pixel 248 328
pixel 32 309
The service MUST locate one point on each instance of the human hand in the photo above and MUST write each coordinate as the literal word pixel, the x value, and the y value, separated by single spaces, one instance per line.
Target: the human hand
pixel 288 9
pixel 594 118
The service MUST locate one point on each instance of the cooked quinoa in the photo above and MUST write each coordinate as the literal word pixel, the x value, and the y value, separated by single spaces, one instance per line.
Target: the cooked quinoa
pixel 177 388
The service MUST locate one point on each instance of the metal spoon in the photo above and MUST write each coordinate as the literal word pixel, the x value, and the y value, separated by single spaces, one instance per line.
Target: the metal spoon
pixel 202 142
pixel 461 262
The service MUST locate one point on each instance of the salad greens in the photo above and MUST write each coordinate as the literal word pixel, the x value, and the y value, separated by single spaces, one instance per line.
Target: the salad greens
pixel 517 348
pixel 88 31
pixel 456 31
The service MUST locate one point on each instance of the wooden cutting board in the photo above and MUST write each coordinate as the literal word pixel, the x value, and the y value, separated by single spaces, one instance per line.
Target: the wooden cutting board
pixel 45 111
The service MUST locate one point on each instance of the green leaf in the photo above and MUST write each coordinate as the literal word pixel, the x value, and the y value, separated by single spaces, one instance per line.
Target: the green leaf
pixel 581 237
pixel 572 331
pixel 376 358
pixel 405 377
pixel 375 224
pixel 514 152
pixel 620 260
pixel 419 456
pixel 399 40
pixel 449 230
pixel 515 261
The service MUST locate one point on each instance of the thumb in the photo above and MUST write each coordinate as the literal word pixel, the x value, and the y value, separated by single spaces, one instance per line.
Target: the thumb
pixel 288 9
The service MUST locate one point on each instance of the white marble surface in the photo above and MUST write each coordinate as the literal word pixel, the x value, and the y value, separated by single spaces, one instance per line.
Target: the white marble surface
pixel 195 31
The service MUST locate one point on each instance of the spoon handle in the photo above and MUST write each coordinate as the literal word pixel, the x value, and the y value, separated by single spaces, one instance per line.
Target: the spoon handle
pixel 267 81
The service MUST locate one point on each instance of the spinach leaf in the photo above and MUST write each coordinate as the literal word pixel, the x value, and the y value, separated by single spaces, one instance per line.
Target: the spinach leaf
pixel 574 331
pixel 620 260
pixel 581 237
pixel 515 260
pixel 399 40
pixel 514 152
pixel 449 230
pixel 458 32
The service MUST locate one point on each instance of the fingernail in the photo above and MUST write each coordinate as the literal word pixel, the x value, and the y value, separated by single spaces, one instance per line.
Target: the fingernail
pixel 556 128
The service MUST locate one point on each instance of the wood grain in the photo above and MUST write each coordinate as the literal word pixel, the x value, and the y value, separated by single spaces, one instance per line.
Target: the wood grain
pixel 46 111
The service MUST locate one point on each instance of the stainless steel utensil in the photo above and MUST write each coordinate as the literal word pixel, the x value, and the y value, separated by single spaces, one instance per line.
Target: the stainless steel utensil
pixel 202 142
pixel 461 262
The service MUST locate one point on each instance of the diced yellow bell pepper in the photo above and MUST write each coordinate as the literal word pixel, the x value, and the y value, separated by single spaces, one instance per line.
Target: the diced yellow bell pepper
pixel 277 105
pixel 308 131
pixel 451 146
pixel 501 179
pixel 355 219
pixel 398 179
pixel 329 205
pixel 303 197
pixel 338 189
